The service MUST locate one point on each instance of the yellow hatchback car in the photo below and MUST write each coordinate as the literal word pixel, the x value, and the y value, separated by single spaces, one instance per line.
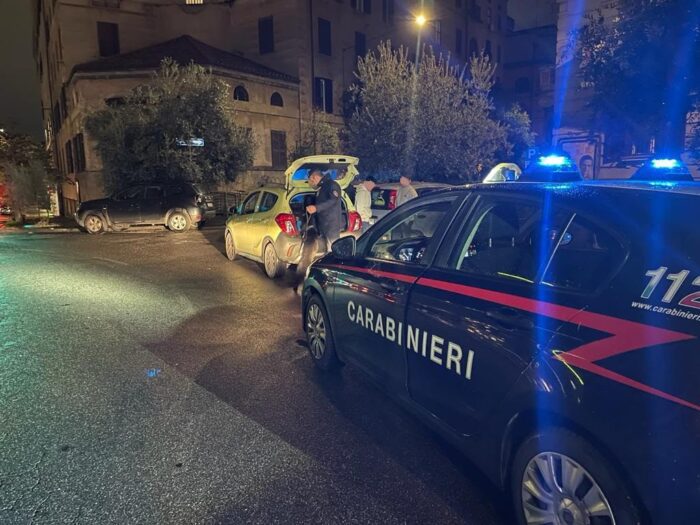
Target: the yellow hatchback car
pixel 268 226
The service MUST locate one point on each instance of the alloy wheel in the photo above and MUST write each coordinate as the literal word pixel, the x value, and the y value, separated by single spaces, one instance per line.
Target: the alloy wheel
pixel 316 331
pixel 556 490
pixel 270 260
pixel 230 248
pixel 178 222
pixel 93 224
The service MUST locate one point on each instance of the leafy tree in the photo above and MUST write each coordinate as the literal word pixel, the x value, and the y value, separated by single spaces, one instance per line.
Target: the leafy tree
pixel 26 170
pixel 317 137
pixel 644 66
pixel 424 119
pixel 519 135
pixel 138 140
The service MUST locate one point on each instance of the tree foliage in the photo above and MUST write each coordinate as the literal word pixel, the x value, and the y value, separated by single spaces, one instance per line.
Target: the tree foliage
pixel 643 65
pixel 428 120
pixel 26 170
pixel 138 139
pixel 317 137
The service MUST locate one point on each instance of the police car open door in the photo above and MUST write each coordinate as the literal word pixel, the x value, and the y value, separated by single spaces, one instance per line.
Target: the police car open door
pixel 467 339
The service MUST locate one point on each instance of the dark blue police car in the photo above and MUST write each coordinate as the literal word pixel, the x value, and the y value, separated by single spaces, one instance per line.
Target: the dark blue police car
pixel 549 330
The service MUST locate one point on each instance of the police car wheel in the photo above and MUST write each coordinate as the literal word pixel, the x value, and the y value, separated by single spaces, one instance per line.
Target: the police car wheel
pixel 271 263
pixel 319 338
pixel 559 478
pixel 230 246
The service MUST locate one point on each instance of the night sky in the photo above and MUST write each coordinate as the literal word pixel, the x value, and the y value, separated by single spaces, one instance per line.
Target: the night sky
pixel 20 106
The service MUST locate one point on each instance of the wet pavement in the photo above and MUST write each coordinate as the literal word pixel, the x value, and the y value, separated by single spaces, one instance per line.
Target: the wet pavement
pixel 144 378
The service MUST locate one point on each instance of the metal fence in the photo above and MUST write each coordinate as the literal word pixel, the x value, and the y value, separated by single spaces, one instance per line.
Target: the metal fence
pixel 223 200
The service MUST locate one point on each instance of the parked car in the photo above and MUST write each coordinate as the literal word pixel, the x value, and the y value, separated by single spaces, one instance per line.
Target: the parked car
pixel 503 172
pixel 549 331
pixel 268 225
pixel 384 196
pixel 177 205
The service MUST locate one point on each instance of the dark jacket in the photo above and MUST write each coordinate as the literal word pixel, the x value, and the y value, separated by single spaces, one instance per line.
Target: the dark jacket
pixel 329 211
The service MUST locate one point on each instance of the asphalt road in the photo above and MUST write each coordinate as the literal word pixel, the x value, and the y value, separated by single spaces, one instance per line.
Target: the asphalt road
pixel 144 378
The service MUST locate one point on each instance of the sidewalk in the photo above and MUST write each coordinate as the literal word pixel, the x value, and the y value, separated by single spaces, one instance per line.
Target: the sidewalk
pixel 55 225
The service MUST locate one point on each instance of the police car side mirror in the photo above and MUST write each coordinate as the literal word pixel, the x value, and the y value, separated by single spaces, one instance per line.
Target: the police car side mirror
pixel 344 248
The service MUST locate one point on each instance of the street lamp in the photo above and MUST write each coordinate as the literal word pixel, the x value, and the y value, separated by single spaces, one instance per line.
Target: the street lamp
pixel 421 20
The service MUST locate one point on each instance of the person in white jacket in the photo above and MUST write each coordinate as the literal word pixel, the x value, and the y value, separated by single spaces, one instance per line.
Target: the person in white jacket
pixel 406 191
pixel 363 201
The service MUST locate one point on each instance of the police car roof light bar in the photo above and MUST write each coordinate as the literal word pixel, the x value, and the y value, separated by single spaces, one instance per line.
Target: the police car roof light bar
pixel 665 163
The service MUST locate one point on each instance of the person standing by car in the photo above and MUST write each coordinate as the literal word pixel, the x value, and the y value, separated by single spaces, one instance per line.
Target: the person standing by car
pixel 324 224
pixel 363 200
pixel 327 212
pixel 406 191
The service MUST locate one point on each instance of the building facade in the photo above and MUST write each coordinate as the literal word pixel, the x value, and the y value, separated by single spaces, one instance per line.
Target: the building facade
pixel 283 59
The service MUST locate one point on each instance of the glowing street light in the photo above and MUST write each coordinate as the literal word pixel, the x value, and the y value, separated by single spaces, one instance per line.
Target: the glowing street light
pixel 420 20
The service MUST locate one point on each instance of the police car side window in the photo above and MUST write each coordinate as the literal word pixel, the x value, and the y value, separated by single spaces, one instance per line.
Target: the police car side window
pixel 249 203
pixel 585 257
pixel 507 239
pixel 407 240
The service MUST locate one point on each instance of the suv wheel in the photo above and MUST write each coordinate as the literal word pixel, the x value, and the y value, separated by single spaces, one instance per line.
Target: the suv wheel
pixel 230 246
pixel 179 222
pixel 272 264
pixel 557 477
pixel 318 335
pixel 94 224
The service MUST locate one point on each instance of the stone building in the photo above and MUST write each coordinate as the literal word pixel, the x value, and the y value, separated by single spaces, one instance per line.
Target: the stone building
pixel 282 59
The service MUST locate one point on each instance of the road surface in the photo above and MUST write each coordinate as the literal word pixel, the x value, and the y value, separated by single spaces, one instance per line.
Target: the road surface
pixel 144 378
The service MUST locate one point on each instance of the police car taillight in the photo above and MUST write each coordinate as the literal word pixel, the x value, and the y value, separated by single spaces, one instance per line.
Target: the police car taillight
pixel 354 222
pixel 392 199
pixel 287 223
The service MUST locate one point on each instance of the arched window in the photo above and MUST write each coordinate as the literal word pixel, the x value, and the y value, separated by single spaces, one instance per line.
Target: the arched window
pixel 522 85
pixel 241 94
pixel 473 47
pixel 276 100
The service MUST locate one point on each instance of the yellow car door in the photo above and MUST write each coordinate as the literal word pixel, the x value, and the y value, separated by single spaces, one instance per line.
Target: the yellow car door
pixel 240 224
pixel 261 224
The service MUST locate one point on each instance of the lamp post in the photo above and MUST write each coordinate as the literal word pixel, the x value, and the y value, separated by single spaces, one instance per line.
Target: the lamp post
pixel 420 21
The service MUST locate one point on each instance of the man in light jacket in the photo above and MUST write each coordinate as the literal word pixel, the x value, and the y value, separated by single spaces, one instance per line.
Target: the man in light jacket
pixel 406 191
pixel 363 201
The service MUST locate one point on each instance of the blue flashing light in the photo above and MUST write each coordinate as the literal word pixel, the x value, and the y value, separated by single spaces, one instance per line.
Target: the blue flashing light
pixel 665 163
pixel 554 161
pixel 662 184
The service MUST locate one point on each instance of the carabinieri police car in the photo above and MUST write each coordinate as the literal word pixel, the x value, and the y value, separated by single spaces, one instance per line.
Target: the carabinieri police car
pixel 548 330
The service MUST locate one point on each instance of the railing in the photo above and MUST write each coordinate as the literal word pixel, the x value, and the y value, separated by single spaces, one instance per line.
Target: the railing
pixel 223 200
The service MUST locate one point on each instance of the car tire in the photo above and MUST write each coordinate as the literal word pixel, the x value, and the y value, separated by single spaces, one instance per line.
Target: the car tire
pixel 557 477
pixel 272 265
pixel 319 337
pixel 94 224
pixel 179 222
pixel 230 246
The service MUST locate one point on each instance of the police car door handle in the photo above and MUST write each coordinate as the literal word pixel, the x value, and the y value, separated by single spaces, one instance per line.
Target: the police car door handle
pixel 510 317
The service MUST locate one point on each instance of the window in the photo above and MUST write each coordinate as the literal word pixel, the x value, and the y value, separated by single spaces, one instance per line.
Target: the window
pixel 267 202
pixel 108 38
pixel 278 140
pixel 324 36
pixel 388 11
pixel 458 41
pixel 266 35
pixel 362 6
pixel 507 239
pixel 153 193
pixel 248 205
pixel 360 44
pixel 276 100
pixel 407 238
pixel 546 79
pixel 437 31
pixel 69 157
pixel 135 192
pixel 585 256
pixel 473 47
pixel 240 93
pixel 323 94
pixel 79 151
pixel 522 85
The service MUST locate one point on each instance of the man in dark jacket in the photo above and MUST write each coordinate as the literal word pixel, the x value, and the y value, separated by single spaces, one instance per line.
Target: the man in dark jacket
pixel 327 212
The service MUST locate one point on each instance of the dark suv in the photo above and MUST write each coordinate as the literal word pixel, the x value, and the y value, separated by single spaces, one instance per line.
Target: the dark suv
pixel 177 205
